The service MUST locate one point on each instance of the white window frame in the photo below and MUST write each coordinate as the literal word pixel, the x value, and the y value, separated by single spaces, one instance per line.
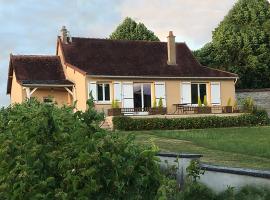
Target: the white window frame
pixel 103 93
pixel 199 95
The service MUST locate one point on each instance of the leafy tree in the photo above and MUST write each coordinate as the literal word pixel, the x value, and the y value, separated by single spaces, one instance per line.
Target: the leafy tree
pixel 241 44
pixel 51 153
pixel 130 30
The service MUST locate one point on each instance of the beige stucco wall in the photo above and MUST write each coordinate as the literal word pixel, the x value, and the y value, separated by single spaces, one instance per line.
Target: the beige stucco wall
pixel 227 91
pixel 79 80
pixel 16 94
pixel 59 95
pixel 173 90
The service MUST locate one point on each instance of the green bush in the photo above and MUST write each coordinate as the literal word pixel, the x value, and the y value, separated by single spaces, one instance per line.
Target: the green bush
pixel 51 153
pixel 248 105
pixel 196 191
pixel 257 118
pixel 246 193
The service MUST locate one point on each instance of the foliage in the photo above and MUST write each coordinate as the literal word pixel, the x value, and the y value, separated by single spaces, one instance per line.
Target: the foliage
pixel 160 103
pixel 154 103
pixel 241 44
pixel 257 118
pixel 199 102
pixel 248 104
pixel 51 153
pixel 235 106
pixel 248 193
pixel 229 102
pixel 130 30
pixel 194 170
pixel 115 104
pixel 205 103
pixel 196 191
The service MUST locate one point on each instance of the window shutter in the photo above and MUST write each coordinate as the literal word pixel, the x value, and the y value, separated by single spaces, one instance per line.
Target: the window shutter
pixel 93 89
pixel 186 92
pixel 160 92
pixel 215 93
pixel 127 93
pixel 117 91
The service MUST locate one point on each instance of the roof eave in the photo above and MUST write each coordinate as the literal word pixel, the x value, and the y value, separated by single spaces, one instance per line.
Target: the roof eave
pixel 158 77
pixel 47 85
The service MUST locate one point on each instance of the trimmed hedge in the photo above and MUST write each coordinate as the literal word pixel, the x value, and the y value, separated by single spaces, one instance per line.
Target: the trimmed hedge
pixel 258 118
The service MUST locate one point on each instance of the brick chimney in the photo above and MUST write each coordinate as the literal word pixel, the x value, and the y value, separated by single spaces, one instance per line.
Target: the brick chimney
pixel 64 35
pixel 171 49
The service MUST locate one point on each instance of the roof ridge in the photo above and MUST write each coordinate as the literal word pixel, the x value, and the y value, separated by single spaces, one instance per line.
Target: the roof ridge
pixel 33 55
pixel 124 40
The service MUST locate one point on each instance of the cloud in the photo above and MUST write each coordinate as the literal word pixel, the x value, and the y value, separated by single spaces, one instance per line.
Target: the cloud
pixel 31 26
pixel 192 21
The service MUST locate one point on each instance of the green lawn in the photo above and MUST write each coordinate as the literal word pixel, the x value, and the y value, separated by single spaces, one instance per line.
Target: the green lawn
pixel 236 147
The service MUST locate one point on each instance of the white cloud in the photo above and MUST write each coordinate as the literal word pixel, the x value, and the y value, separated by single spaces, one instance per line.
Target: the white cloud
pixel 192 21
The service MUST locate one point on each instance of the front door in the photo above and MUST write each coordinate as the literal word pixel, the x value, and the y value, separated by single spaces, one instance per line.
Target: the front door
pixel 142 95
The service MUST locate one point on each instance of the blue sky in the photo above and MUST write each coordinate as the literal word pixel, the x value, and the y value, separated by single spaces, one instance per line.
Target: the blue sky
pixel 31 26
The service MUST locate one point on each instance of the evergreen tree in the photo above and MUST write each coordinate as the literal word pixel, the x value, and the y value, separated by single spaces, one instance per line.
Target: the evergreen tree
pixel 241 44
pixel 130 30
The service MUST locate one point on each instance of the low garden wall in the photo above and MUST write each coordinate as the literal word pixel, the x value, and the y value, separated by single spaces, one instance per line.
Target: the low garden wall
pixel 216 178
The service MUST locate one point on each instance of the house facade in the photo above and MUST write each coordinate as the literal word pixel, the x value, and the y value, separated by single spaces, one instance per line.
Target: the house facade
pixel 136 74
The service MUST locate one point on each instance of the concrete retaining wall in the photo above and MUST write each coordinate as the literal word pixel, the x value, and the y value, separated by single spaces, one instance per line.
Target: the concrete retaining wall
pixel 215 177
pixel 260 96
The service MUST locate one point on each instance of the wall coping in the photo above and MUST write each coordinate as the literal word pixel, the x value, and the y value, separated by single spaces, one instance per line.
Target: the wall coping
pixel 178 155
pixel 237 171
pixel 253 90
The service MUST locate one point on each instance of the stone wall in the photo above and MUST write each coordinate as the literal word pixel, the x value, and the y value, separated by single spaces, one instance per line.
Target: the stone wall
pixel 260 96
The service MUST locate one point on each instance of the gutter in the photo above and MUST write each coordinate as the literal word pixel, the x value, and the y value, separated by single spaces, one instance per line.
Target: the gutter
pixel 157 77
pixel 47 85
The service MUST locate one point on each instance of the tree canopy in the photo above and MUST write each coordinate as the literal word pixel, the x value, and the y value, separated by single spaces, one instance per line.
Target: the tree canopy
pixel 241 44
pixel 131 30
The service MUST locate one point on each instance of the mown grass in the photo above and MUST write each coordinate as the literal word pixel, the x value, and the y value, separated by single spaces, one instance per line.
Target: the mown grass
pixel 236 147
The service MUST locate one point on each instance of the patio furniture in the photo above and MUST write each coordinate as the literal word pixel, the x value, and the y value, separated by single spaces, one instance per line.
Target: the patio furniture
pixel 181 108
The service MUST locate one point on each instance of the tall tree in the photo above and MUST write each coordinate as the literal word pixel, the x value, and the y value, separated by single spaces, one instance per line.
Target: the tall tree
pixel 241 44
pixel 130 30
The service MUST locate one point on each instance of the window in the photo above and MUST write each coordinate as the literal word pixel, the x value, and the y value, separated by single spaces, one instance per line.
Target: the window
pixel 197 91
pixel 103 92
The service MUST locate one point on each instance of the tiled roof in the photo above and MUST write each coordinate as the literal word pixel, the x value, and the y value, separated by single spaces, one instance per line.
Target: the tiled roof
pixel 134 58
pixel 36 70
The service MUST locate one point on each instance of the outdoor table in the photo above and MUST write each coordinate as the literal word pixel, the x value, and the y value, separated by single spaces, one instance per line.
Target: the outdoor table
pixel 179 107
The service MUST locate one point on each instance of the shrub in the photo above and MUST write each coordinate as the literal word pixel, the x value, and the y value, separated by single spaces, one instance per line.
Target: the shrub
pixel 257 118
pixel 229 102
pixel 248 105
pixel 51 153
pixel 154 103
pixel 115 104
pixel 196 191
pixel 246 193
pixel 194 170
pixel 205 103
pixel 199 102
pixel 160 103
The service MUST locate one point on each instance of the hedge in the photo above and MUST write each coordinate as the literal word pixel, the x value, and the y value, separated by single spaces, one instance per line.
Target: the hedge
pixel 258 118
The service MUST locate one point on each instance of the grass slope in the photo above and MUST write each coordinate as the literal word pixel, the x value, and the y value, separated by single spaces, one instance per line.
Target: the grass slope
pixel 236 147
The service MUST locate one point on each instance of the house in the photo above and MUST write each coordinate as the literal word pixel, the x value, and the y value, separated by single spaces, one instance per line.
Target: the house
pixel 135 73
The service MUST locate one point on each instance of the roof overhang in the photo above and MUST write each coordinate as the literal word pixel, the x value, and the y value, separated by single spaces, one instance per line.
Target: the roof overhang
pixel 161 77
pixel 48 85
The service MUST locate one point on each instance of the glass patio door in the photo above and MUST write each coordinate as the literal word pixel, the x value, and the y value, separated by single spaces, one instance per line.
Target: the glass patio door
pixel 142 95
